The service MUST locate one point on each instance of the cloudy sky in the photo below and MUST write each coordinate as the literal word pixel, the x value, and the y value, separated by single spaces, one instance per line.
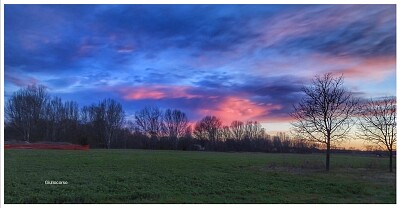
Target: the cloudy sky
pixel 238 62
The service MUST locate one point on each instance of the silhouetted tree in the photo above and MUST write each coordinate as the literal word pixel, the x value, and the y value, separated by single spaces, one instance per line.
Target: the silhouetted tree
pixel 238 130
pixel 150 121
pixel 377 124
pixel 175 125
pixel 53 118
pixel 226 133
pixel 324 114
pixel 186 142
pixel 208 128
pixel 61 119
pixel 25 109
pixel 106 118
pixel 70 122
pixel 253 130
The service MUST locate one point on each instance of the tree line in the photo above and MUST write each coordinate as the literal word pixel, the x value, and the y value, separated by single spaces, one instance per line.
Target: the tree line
pixel 324 116
pixel 32 115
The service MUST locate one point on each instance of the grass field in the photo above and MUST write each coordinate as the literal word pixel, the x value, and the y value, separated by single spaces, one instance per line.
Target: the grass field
pixel 146 176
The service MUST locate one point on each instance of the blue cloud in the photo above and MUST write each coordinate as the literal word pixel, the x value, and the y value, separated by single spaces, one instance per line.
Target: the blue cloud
pixel 263 53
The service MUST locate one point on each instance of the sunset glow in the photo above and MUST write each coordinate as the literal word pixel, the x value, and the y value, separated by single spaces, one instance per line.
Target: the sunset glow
pixel 237 62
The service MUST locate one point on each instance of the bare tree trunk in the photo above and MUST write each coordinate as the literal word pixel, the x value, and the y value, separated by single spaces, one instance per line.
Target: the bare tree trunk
pixel 108 141
pixel 391 161
pixel 328 152
pixel 28 136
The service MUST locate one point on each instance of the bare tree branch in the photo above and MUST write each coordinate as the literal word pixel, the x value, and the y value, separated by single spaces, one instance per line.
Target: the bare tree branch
pixel 377 123
pixel 324 115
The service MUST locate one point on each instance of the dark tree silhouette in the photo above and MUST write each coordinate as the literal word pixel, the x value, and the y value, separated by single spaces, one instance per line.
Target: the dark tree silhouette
pixel 208 128
pixel 25 109
pixel 150 121
pixel 253 130
pixel 99 125
pixel 61 119
pixel 226 133
pixel 70 127
pixel 53 116
pixel 106 118
pixel 377 124
pixel 324 115
pixel 175 123
pixel 238 130
pixel 114 117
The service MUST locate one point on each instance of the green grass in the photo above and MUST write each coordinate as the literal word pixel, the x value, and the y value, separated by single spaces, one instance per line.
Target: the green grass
pixel 146 176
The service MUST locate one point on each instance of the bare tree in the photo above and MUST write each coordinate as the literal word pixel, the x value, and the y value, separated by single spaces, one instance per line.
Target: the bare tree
pixel 253 130
pixel 324 115
pixel 208 128
pixel 175 123
pixel 226 133
pixel 114 118
pixel 25 108
pixel 150 121
pixel 199 131
pixel 53 117
pixel 188 132
pixel 377 124
pixel 71 111
pixel 238 130
pixel 106 119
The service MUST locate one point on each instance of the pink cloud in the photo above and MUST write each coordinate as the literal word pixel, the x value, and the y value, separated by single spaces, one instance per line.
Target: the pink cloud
pixel 128 49
pixel 20 81
pixel 376 68
pixel 155 92
pixel 355 68
pixel 352 67
pixel 299 24
pixel 235 108
pixel 85 49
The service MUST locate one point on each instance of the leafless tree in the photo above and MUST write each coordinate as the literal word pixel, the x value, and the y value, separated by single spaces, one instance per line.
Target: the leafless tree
pixel 25 108
pixel 106 119
pixel 253 130
pixel 70 121
pixel 226 133
pixel 238 130
pixel 377 124
pixel 208 128
pixel 188 132
pixel 61 119
pixel 175 123
pixel 53 117
pixel 324 115
pixel 150 121
pixel 114 119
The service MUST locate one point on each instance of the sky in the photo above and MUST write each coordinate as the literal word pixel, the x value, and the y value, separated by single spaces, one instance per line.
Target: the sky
pixel 237 62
